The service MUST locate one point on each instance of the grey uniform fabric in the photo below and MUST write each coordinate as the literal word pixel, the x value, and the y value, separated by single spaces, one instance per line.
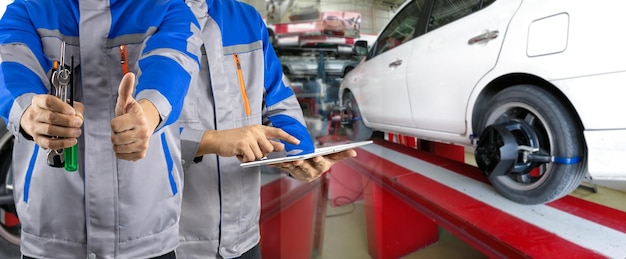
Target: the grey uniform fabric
pixel 109 208
pixel 221 200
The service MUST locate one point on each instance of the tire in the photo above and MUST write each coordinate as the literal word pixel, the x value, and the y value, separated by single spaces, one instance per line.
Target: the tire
pixel 352 123
pixel 9 233
pixel 549 126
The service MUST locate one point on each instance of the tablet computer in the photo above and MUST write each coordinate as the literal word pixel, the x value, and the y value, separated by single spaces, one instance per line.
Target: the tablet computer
pixel 320 151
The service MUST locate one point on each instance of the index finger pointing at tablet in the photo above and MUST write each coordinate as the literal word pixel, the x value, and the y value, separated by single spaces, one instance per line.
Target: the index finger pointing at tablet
pixel 281 134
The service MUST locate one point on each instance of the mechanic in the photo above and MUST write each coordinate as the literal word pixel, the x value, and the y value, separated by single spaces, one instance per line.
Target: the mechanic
pixel 236 112
pixel 124 199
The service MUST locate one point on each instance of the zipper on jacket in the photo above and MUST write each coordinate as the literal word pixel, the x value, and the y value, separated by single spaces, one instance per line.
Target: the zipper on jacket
pixel 242 85
pixel 124 59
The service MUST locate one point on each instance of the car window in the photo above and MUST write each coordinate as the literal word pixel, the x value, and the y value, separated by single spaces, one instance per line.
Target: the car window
pixel 487 3
pixel 447 11
pixel 400 29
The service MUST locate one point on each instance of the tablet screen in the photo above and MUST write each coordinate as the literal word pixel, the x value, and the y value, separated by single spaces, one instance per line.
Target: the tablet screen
pixel 321 151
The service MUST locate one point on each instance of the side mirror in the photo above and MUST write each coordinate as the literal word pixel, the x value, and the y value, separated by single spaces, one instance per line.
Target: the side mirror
pixel 360 47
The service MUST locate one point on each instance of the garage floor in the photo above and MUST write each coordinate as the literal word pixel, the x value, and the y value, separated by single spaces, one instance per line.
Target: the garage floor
pixel 345 234
pixel 346 237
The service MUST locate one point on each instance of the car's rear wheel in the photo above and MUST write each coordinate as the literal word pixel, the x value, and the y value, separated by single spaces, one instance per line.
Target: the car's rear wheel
pixel 10 231
pixel 531 146
pixel 352 121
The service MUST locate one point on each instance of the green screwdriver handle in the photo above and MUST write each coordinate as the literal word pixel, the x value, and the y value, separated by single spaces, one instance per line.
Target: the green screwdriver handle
pixel 70 156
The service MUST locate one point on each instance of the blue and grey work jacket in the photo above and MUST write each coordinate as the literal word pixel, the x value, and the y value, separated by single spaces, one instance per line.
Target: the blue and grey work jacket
pixel 109 208
pixel 240 83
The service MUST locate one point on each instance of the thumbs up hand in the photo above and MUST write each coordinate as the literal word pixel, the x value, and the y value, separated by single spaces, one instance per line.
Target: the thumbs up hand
pixel 133 124
pixel 125 100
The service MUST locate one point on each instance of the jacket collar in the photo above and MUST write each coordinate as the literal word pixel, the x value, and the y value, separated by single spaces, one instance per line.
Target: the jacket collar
pixel 200 8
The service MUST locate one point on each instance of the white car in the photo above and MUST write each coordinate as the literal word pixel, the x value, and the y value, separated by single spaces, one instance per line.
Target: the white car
pixel 536 87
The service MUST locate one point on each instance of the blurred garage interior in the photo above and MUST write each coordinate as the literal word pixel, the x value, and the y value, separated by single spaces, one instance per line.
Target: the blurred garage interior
pixel 402 197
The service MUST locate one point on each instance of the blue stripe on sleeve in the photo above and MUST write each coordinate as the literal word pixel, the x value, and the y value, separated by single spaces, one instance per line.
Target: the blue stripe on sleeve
pixel 29 173
pixel 170 164
pixel 296 129
pixel 173 84
pixel 15 80
pixel 246 32
pixel 176 32
pixel 275 88
pixel 25 17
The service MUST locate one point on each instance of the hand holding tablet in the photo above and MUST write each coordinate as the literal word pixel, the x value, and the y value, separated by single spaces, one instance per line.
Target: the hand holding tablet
pixel 321 151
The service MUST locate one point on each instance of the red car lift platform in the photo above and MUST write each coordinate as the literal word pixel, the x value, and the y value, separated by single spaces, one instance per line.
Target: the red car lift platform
pixel 408 193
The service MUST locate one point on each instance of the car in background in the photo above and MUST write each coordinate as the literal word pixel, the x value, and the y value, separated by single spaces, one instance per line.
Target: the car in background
pixel 334 23
pixel 300 13
pixel 535 87
pixel 304 61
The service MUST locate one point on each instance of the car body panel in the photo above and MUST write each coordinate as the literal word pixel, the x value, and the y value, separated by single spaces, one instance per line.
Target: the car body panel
pixel 383 90
pixel 575 48
pixel 466 62
pixel 592 51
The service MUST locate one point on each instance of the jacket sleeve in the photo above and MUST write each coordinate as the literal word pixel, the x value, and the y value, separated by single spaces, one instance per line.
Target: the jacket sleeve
pixel 282 109
pixel 169 60
pixel 190 142
pixel 23 65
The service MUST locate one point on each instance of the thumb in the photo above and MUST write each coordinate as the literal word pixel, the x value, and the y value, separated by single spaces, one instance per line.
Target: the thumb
pixel 125 93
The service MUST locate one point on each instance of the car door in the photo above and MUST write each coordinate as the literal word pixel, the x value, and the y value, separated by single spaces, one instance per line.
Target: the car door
pixel 383 95
pixel 461 45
